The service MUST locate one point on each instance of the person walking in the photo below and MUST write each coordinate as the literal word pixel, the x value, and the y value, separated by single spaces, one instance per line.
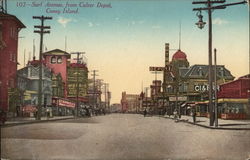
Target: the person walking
pixel 194 116
pixel 175 115
pixel 145 112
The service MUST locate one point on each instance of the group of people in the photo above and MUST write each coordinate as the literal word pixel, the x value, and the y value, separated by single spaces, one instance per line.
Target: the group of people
pixel 176 116
pixel 193 114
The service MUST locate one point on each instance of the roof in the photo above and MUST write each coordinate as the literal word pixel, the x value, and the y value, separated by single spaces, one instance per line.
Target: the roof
pixel 179 55
pixel 57 52
pixel 4 16
pixel 201 71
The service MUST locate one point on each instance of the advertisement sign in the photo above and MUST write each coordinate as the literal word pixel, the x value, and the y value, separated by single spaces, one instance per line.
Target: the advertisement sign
pixel 65 103
pixel 180 98
pixel 203 88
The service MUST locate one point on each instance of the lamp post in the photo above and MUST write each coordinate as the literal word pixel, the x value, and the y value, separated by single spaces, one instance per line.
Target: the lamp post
pixel 201 25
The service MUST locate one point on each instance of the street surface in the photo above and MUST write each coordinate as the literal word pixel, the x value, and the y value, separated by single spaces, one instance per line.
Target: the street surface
pixel 122 137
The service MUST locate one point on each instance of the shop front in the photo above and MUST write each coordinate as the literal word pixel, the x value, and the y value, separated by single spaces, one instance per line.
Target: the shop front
pixel 201 109
pixel 233 108
pixel 62 107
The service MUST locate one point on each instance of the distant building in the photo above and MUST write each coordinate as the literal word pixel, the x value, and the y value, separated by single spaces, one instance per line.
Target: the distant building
pixel 115 108
pixel 10 26
pixel 130 102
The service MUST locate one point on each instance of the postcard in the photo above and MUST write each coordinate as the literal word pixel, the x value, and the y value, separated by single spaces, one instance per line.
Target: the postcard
pixel 124 80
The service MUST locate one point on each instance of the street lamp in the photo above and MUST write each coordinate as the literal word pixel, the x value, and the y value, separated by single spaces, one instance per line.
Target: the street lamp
pixel 210 7
pixel 200 24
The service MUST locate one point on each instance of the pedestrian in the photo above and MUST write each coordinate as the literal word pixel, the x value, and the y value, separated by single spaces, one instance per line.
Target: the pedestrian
pixel 194 115
pixel 175 115
pixel 145 112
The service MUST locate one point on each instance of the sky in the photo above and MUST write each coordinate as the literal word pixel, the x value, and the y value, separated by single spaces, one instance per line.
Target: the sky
pixel 122 38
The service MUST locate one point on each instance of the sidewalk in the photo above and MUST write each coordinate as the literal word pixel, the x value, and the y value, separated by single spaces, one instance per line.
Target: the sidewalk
pixel 222 124
pixel 28 120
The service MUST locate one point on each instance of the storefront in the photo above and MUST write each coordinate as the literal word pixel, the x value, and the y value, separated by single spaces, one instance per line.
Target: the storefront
pixel 233 108
pixel 201 109
pixel 62 107
pixel 233 98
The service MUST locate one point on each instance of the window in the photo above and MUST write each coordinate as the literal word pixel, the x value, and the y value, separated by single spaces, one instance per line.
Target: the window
pixel 10 56
pixel 200 72
pixel 14 57
pixel 59 60
pixel 12 32
pixel 53 60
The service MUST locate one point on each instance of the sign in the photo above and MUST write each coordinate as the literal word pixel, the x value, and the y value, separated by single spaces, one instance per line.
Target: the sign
pixel 203 88
pixel 168 68
pixel 65 103
pixel 156 68
pixel 73 73
pixel 180 98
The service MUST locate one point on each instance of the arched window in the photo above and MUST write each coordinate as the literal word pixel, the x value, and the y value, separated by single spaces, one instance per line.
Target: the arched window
pixel 53 60
pixel 59 59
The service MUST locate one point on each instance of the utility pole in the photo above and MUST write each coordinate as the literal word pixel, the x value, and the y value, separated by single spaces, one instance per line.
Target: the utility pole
pixel 210 8
pixel 94 87
pixel 146 97
pixel 215 89
pixel 77 82
pixel 42 30
pixel 105 94
pixel 155 86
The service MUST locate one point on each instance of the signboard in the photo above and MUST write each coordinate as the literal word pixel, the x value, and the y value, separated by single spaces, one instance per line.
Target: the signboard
pixel 156 68
pixel 180 98
pixel 203 88
pixel 168 68
pixel 65 103
pixel 72 82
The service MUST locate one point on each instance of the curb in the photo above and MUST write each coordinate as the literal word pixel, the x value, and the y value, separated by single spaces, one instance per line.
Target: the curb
pixel 34 121
pixel 208 127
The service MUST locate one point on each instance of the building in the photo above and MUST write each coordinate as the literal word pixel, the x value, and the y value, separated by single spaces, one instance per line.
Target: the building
pixel 57 61
pixel 234 99
pixel 155 94
pixel 77 78
pixel 28 82
pixel 130 103
pixel 185 85
pixel 116 108
pixel 10 26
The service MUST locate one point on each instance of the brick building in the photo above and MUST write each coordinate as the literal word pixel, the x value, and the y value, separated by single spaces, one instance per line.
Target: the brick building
pixel 10 26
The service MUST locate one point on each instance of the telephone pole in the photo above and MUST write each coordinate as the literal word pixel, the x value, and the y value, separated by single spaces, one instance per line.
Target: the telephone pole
pixel 77 82
pixel 41 30
pixel 94 86
pixel 210 7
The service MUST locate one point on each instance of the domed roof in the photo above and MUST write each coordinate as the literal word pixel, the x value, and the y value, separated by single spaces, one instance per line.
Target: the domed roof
pixel 179 55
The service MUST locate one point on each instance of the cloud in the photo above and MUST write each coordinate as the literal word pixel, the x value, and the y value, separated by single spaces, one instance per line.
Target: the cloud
pixel 117 18
pixel 141 22
pixel 156 27
pixel 64 21
pixel 90 24
pixel 219 21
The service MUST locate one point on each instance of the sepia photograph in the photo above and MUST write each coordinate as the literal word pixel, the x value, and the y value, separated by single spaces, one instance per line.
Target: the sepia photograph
pixel 124 80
